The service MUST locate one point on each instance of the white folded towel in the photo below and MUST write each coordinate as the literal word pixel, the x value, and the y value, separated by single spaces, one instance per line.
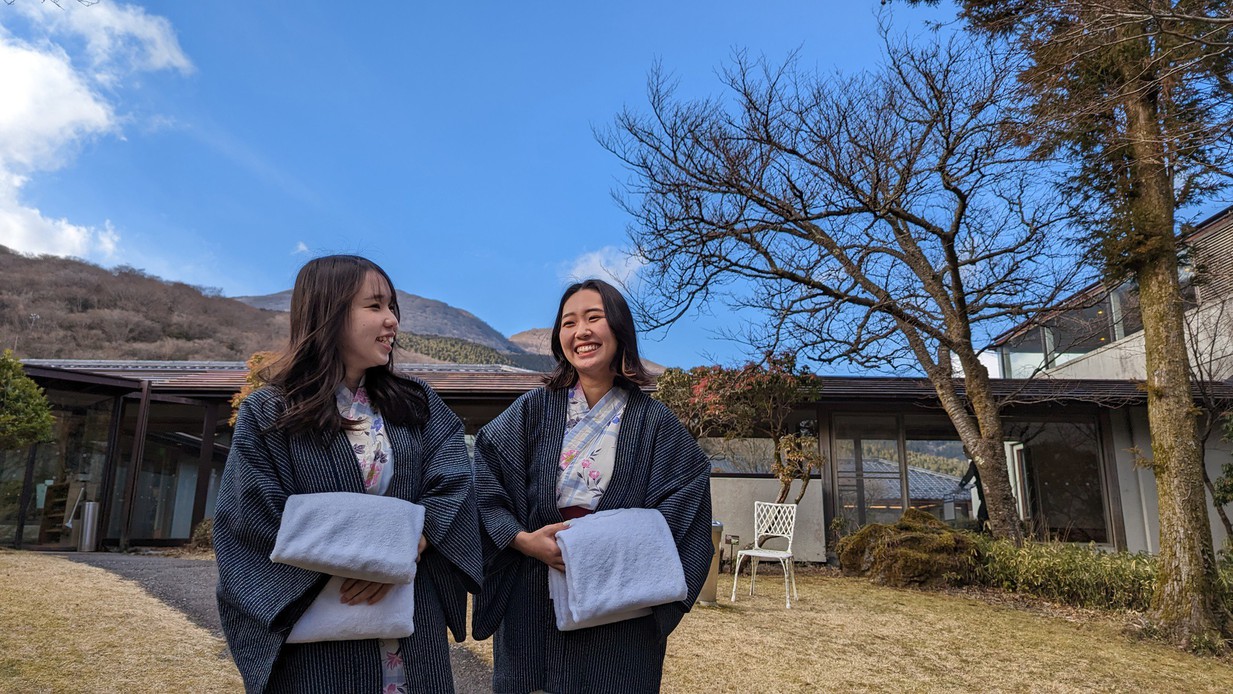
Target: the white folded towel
pixel 350 535
pixel 618 564
pixel 328 619
pixel 367 536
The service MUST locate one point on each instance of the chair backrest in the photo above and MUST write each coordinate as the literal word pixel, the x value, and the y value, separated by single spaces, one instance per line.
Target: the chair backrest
pixel 773 520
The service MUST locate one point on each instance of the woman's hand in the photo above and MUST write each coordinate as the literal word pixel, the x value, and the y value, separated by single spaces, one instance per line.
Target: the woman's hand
pixel 542 545
pixel 354 591
pixel 423 546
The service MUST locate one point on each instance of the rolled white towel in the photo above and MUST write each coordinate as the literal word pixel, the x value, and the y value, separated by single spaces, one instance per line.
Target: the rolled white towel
pixel 367 536
pixel 328 619
pixel 618 564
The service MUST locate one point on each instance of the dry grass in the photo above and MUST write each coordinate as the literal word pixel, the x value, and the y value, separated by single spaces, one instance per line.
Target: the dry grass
pixel 848 635
pixel 68 627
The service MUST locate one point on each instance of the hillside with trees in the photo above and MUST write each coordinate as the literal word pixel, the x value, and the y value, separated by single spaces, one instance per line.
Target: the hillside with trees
pixel 53 307
pixel 63 308
pixel 453 350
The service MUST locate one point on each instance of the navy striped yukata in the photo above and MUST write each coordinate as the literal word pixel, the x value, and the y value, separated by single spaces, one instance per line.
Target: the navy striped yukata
pixel 658 465
pixel 259 601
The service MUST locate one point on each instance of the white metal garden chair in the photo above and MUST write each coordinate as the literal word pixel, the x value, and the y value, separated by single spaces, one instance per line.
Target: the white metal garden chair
pixel 770 521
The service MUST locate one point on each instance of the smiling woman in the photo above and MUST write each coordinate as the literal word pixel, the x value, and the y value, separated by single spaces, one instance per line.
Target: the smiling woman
pixel 337 417
pixel 589 441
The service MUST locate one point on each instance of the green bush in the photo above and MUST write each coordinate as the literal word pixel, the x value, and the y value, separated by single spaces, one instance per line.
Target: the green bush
pixel 1078 575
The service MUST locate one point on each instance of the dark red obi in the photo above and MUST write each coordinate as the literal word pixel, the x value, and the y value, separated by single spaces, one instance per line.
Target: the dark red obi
pixel 572 512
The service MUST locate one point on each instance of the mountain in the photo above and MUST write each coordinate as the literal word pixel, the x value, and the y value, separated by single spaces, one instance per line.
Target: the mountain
pixel 534 341
pixel 456 351
pixel 420 316
pixel 63 308
pixel 52 307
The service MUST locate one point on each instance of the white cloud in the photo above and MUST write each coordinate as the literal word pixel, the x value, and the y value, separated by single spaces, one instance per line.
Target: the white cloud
pixel 49 106
pixel 300 247
pixel 119 39
pixel 608 263
pixel 45 108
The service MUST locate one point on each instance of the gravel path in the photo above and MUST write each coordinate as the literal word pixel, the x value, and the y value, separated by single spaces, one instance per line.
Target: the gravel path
pixel 188 586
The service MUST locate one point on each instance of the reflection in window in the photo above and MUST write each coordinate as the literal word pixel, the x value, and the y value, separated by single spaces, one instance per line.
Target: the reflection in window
pixel 68 471
pixel 1024 355
pixel 936 464
pixel 1079 331
pixel 1057 474
pixel 870 481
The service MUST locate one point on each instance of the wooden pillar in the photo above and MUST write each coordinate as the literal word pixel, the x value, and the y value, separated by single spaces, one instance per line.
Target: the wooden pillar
pixel 139 449
pixel 205 463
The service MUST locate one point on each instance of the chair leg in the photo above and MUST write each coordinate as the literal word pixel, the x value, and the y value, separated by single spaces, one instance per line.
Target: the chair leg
pixel 753 573
pixel 795 594
pixel 787 594
pixel 736 571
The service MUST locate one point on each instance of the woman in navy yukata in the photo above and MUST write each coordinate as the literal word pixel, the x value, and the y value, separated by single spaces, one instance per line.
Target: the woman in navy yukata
pixel 336 416
pixel 589 440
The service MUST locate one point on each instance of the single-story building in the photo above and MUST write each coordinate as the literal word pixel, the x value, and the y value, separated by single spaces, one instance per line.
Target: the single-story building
pixel 1071 446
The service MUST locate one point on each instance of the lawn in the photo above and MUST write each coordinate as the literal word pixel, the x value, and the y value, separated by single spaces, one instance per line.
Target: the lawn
pixel 848 635
pixel 68 627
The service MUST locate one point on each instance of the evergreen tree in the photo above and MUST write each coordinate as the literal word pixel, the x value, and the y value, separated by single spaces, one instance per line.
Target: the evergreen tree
pixel 25 414
pixel 1135 96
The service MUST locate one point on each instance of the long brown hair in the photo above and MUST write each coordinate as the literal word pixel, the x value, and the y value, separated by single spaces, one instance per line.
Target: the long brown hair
pixel 312 367
pixel 626 364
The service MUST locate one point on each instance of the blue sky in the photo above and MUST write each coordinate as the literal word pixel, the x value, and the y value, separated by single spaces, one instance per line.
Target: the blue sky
pixel 223 144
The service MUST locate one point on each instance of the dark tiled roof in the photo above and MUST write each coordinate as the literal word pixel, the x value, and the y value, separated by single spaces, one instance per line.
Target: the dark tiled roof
pixel 224 377
pixel 1111 393
pixel 477 380
pixel 922 484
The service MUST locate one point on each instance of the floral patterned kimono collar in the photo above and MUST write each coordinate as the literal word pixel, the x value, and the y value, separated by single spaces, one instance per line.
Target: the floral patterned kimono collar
pixel 368 440
pixel 588 451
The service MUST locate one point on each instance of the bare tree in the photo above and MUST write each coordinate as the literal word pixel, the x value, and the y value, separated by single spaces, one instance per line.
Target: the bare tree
pixel 884 220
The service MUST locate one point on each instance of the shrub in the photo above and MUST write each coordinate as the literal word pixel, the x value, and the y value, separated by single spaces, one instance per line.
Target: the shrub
pixel 918 550
pixel 203 535
pixel 1078 575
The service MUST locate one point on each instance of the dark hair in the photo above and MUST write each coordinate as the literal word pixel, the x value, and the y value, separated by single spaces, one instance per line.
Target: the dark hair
pixel 309 372
pixel 626 364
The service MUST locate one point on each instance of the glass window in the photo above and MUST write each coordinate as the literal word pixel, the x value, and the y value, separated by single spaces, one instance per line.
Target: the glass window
pixel 936 465
pixel 868 474
pixel 756 454
pixel 1124 302
pixel 1059 479
pixel 68 471
pixel 1079 331
pixel 1023 355
pixel 166 477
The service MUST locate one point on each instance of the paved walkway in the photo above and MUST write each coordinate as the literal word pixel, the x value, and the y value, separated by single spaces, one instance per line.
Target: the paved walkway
pixel 188 586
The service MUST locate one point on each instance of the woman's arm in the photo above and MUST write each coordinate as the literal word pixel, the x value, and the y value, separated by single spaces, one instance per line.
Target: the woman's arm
pixel 252 494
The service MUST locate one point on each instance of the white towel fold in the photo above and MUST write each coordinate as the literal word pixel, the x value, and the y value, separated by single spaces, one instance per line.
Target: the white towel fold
pixel 349 535
pixel 367 536
pixel 328 619
pixel 618 564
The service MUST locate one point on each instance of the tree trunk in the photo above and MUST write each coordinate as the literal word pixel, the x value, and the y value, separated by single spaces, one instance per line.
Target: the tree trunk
pixel 989 452
pixel 980 430
pixel 1184 605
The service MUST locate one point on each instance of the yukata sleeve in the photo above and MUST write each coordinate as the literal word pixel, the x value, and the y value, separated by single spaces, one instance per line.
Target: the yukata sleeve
pixel 451 521
pixel 500 455
pixel 681 490
pixel 255 485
